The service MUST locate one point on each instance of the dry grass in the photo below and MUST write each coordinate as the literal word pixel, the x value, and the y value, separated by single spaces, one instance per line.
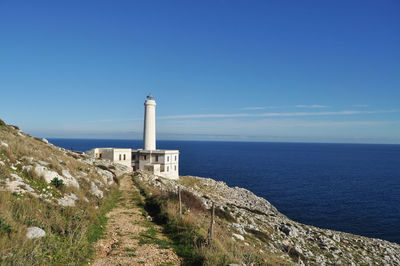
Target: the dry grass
pixel 70 231
pixel 194 224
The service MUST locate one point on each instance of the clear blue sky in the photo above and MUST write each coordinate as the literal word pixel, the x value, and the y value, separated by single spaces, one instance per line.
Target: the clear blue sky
pixel 314 71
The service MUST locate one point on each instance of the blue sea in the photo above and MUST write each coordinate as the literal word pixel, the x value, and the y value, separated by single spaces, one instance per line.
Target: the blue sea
pixel 353 188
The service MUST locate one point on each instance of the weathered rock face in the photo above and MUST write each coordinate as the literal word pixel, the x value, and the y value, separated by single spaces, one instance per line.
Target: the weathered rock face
pixel 308 244
pixel 49 175
pixel 31 171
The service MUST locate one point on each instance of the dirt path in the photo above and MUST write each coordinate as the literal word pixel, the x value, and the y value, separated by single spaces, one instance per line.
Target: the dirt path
pixel 131 239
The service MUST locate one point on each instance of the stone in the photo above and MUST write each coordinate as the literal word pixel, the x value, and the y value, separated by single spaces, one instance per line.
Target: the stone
pixel 107 176
pixel 68 200
pixel 289 230
pixel 3 144
pixel 237 236
pixel 69 179
pixel 96 191
pixel 49 175
pixel 18 186
pixel 35 232
pixel 45 140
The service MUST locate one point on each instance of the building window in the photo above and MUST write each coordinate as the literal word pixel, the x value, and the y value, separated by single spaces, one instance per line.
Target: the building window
pixel 175 167
pixel 167 158
pixel 176 158
pixel 100 155
pixel 145 157
pixel 124 157
pixel 156 158
pixel 120 157
pixel 167 168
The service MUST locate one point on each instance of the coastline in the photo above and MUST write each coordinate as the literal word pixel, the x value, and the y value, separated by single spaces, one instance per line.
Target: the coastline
pixel 254 214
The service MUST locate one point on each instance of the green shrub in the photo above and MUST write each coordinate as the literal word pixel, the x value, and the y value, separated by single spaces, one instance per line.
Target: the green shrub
pixel 58 183
pixel 5 228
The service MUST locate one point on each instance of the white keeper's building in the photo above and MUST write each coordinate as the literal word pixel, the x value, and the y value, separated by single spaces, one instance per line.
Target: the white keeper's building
pixel 164 163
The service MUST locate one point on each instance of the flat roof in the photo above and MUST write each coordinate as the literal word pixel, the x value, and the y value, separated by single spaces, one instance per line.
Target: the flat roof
pixel 156 151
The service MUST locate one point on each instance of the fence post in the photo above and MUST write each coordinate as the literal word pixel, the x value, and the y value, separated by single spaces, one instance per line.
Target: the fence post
pixel 180 200
pixel 210 230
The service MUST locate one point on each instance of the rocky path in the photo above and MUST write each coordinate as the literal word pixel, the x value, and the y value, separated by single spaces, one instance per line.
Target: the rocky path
pixel 130 239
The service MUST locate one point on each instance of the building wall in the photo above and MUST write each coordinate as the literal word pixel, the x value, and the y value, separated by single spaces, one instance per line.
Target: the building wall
pixel 106 153
pixel 167 162
pixel 123 156
pixel 164 163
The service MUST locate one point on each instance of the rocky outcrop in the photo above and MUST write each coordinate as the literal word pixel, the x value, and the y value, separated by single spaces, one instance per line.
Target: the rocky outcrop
pixel 24 173
pixel 302 243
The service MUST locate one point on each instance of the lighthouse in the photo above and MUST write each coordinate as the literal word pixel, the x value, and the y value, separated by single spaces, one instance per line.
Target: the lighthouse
pixel 163 163
pixel 149 131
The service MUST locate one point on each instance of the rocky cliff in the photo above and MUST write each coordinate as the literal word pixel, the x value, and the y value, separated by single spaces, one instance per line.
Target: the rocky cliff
pixel 255 223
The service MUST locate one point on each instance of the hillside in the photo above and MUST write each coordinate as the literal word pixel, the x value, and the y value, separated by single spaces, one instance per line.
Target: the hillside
pixel 52 201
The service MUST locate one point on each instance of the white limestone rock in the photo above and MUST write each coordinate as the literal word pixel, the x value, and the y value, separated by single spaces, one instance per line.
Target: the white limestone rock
pixel 27 168
pixel 16 177
pixel 35 232
pixel 45 140
pixel 289 230
pixel 49 175
pixel 336 237
pixel 70 179
pixel 68 200
pixel 238 237
pixel 107 176
pixel 43 163
pixel 96 191
pixel 18 186
pixel 3 144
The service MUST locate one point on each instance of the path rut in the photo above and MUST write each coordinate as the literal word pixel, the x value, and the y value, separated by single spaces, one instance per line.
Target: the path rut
pixel 125 241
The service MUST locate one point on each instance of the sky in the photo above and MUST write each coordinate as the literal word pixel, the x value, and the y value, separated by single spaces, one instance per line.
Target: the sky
pixel 287 71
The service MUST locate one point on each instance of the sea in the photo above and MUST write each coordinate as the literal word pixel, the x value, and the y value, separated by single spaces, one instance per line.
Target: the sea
pixel 353 188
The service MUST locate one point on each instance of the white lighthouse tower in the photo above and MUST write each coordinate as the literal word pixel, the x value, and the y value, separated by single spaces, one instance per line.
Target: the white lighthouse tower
pixel 149 132
pixel 163 163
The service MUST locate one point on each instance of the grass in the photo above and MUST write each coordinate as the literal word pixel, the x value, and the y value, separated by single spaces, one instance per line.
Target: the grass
pixel 181 234
pixel 188 232
pixel 96 229
pixel 70 232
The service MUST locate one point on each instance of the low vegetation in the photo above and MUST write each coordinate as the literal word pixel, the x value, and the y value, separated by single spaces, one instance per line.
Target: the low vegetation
pixel 70 231
pixel 189 231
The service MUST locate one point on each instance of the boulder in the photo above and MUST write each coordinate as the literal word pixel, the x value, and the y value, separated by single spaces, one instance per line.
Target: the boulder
pixel 68 200
pixel 35 232
pixel 96 191
pixel 237 236
pixel 49 175
pixel 289 230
